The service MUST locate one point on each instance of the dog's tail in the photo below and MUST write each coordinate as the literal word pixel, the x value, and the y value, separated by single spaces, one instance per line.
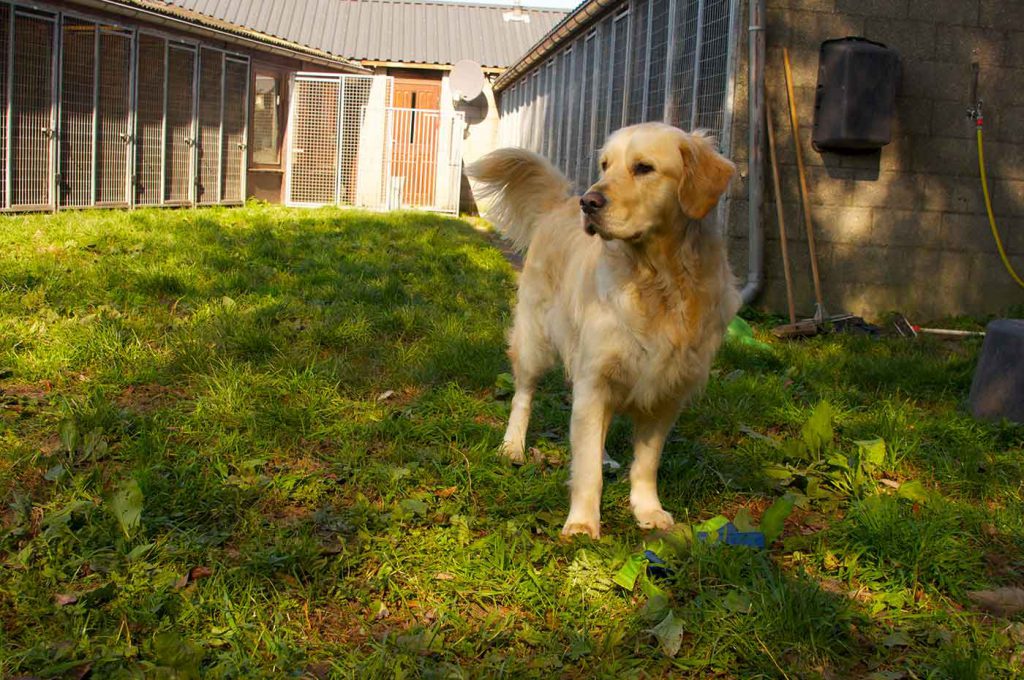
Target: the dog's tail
pixel 519 186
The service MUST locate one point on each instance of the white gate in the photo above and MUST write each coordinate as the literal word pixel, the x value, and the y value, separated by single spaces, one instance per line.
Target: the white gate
pixel 348 146
pixel 422 159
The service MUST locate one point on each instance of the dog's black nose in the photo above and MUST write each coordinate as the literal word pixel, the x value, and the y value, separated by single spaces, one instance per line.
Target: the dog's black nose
pixel 592 201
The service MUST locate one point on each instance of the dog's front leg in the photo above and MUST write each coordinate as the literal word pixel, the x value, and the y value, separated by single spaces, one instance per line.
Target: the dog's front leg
pixel 591 415
pixel 649 434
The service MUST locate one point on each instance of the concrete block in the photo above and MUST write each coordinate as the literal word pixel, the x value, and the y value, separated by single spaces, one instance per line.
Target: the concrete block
pixel 1001 13
pixel 945 156
pixel 968 44
pixel 812 5
pixel 910 228
pixel 960 12
pixel 897 155
pixel 874 8
pixel 914 40
pixel 913 116
pixel 966 232
pixel 997 390
pixel 846 225
pixel 932 79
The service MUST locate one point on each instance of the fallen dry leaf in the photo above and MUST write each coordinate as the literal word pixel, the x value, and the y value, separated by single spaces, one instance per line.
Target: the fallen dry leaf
pixel 196 573
pixel 890 483
pixel 64 600
pixel 384 396
pixel 446 493
pixel 444 576
pixel 1001 601
pixel 193 574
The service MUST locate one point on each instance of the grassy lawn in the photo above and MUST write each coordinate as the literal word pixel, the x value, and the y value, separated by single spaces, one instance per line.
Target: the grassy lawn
pixel 262 443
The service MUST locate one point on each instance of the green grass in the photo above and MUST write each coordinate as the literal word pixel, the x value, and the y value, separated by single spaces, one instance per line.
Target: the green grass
pixel 306 406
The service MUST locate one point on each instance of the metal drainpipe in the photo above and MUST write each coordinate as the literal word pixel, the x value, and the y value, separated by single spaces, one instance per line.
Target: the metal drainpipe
pixel 755 153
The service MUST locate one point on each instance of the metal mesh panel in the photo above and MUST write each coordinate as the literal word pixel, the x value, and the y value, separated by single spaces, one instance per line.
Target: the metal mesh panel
pixel 572 128
pixel 680 104
pixel 149 120
pixel 314 146
pixel 714 53
pixel 658 57
pixel 236 111
pixel 32 112
pixel 77 104
pixel 602 80
pixel 179 151
pixel 113 113
pixel 534 110
pixel 211 65
pixel 586 110
pixel 5 48
pixel 561 113
pixel 638 62
pixel 356 96
pixel 549 108
pixel 620 53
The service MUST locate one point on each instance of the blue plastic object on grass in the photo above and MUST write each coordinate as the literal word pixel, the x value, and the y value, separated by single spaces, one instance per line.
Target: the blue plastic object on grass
pixel 730 535
pixel 656 566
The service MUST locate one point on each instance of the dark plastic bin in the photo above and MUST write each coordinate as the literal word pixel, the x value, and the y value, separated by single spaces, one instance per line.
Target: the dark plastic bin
pixel 855 103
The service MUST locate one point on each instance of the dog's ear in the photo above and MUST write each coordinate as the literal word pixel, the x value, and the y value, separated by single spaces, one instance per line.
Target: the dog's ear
pixel 706 175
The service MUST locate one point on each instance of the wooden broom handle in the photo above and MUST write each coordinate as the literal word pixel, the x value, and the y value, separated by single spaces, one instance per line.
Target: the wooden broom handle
pixel 804 198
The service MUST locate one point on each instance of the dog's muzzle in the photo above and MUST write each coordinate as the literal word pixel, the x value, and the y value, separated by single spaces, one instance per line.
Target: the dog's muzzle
pixel 591 204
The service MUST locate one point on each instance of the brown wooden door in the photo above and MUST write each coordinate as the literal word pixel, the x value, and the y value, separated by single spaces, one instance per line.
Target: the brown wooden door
pixel 415 137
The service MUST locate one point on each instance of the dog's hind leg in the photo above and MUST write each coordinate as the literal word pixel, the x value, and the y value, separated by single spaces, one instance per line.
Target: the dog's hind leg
pixel 531 358
pixel 591 416
pixel 650 432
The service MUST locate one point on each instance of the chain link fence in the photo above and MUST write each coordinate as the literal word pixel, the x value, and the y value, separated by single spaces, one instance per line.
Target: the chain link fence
pixel 643 60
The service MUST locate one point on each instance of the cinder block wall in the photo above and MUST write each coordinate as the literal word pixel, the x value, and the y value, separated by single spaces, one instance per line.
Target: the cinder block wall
pixel 904 229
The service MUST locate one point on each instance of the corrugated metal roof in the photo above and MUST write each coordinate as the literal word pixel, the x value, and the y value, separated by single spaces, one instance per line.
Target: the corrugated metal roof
pixel 202 21
pixel 391 30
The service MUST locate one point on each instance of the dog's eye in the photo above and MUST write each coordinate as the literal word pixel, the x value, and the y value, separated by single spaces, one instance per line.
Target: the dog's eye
pixel 642 169
pixel 604 165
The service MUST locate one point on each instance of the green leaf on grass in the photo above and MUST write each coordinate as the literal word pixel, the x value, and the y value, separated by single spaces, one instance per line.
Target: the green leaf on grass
pixel 627 575
pixel 774 517
pixel 817 432
pixel 69 435
pixel 913 491
pixel 779 472
pixel 504 385
pixel 126 505
pixel 669 634
pixel 744 521
pixel 183 656
pixel 737 601
pixel 711 526
pixel 414 506
pixel 55 473
pixel 872 452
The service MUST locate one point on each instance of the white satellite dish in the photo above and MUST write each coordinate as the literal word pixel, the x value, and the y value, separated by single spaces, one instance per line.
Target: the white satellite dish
pixel 466 80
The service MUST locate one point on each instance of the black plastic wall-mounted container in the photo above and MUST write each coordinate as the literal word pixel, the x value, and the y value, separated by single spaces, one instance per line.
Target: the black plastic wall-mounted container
pixel 855 103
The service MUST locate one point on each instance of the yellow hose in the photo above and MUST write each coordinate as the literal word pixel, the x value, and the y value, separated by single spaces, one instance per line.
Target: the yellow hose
pixel 991 215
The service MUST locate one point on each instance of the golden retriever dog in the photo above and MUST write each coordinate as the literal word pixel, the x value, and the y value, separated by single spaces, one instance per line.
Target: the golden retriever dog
pixel 629 285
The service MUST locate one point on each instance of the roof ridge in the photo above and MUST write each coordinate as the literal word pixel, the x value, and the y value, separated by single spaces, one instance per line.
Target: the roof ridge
pixel 459 3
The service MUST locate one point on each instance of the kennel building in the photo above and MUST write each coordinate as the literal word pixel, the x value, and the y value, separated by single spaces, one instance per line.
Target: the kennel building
pixel 123 103
pixel 120 104
pixel 901 227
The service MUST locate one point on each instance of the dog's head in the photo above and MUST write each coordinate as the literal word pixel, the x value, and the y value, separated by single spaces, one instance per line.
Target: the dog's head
pixel 654 177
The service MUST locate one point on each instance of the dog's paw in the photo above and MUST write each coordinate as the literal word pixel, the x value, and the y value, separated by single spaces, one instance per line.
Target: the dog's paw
pixel 513 453
pixel 576 528
pixel 653 518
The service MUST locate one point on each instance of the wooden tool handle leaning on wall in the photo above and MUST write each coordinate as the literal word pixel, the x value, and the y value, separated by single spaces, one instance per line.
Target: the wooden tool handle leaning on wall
pixel 819 313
